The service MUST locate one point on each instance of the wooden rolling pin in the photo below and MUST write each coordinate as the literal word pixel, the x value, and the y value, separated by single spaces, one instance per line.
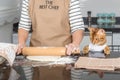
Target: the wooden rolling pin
pixel 45 51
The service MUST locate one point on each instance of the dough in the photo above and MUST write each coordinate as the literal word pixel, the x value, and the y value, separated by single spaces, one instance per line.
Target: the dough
pixel 43 58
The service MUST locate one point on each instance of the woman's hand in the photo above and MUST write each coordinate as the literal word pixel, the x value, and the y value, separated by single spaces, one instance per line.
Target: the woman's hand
pixel 20 47
pixel 72 48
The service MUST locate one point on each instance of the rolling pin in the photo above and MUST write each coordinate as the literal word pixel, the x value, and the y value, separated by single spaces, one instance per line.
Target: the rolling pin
pixel 45 51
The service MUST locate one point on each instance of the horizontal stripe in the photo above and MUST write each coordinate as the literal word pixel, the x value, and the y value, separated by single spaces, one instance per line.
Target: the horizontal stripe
pixel 76 21
pixel 28 24
pixel 24 28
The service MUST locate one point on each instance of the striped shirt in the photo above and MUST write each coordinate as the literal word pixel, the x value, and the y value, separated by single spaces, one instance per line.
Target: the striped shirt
pixel 75 16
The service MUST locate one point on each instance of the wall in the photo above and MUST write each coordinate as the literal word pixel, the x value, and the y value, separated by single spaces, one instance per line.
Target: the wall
pixel 8 4
pixel 8 16
pixel 99 6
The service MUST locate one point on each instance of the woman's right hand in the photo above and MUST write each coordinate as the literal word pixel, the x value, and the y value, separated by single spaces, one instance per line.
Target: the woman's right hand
pixel 71 48
pixel 20 47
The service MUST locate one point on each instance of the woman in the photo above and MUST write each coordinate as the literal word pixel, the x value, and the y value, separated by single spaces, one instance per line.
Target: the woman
pixel 55 23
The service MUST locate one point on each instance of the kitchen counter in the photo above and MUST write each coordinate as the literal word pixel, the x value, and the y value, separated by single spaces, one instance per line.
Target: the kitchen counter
pixel 47 70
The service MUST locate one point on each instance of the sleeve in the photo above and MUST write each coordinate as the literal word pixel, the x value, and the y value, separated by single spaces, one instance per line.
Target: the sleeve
pixel 75 16
pixel 25 21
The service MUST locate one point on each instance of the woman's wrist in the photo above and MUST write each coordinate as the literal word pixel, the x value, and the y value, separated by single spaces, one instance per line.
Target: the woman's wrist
pixel 75 44
pixel 72 48
pixel 20 47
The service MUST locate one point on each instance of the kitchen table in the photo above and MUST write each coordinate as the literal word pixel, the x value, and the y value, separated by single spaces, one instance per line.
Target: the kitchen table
pixel 54 72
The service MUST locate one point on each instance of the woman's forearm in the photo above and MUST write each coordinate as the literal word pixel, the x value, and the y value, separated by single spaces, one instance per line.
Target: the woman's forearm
pixel 22 36
pixel 77 37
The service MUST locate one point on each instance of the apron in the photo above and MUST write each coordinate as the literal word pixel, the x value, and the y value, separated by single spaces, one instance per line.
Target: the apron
pixel 50 22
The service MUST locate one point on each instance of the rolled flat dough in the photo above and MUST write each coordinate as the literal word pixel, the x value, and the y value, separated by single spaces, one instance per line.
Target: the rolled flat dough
pixel 43 58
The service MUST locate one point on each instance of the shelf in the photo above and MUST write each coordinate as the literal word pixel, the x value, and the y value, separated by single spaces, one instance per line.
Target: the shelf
pixel 115 29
